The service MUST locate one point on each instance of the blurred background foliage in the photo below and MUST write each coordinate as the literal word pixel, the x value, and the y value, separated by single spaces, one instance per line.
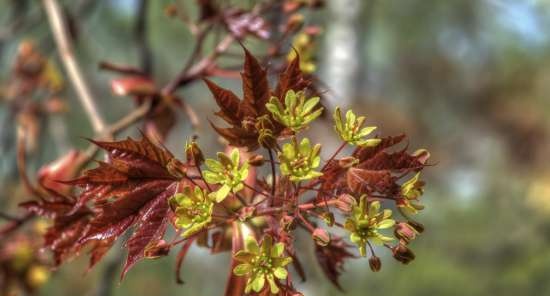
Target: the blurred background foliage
pixel 467 79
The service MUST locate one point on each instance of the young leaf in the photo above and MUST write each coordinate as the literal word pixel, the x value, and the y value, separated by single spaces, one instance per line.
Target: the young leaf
pixel 131 189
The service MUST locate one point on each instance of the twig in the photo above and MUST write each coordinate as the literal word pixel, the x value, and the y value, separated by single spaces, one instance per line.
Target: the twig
pixel 66 53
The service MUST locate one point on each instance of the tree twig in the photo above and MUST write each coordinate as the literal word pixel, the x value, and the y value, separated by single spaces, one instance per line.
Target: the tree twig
pixel 66 53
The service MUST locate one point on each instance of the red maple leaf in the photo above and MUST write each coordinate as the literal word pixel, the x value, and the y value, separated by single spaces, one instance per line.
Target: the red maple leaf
pixel 131 189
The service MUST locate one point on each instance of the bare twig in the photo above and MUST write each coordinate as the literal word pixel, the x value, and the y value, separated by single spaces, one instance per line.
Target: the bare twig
pixel 66 53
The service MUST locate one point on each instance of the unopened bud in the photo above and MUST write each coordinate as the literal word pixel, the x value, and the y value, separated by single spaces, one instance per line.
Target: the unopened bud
pixel 193 153
pixel 328 217
pixel 321 237
pixel 405 232
pixel 403 254
pixel 256 160
pixel 345 202
pixel 419 227
pixel 133 86
pixel 375 263
pixel 287 223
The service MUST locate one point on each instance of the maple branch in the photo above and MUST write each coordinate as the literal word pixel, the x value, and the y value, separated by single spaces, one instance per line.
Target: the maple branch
pixel 59 30
pixel 22 164
pixel 334 155
pixel 198 69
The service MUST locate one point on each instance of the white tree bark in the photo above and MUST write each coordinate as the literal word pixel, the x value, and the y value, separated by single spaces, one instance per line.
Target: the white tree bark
pixel 342 57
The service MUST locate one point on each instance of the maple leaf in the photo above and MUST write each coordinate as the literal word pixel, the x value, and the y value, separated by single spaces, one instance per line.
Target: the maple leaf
pixel 132 188
pixel 249 115
pixel 332 257
pixel 62 237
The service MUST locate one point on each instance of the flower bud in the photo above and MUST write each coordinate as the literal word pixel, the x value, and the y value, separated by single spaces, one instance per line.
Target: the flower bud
pixel 345 202
pixel 375 263
pixel 246 213
pixel 256 160
pixel 403 254
pixel 419 227
pixel 405 232
pixel 287 223
pixel 321 237
pixel 328 217
pixel 193 153
pixel 133 86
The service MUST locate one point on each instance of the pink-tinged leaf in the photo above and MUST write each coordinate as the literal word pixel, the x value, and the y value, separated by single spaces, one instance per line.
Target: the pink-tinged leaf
pixel 332 258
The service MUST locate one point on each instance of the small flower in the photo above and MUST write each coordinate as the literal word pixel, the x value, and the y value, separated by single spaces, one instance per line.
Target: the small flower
pixel 261 263
pixel 366 221
pixel 352 130
pixel 299 161
pixel 411 191
pixel 227 173
pixel 193 209
pixel 297 112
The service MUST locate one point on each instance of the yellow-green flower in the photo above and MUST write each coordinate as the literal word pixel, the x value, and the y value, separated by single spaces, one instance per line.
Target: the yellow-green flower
pixel 411 192
pixel 300 161
pixel 297 112
pixel 262 263
pixel 227 173
pixel 365 222
pixel 193 209
pixel 352 130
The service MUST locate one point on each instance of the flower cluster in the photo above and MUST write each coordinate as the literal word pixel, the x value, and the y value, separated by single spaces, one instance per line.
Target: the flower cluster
pixel 365 223
pixel 262 263
pixel 227 172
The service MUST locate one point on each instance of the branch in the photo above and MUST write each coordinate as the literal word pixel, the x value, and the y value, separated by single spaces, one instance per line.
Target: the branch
pixel 66 53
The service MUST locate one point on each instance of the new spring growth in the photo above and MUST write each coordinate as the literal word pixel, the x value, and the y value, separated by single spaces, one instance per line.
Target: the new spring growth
pixel 262 263
pixel 299 161
pixel 365 222
pixel 296 112
pixel 227 172
pixel 193 209
pixel 411 191
pixel 352 131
